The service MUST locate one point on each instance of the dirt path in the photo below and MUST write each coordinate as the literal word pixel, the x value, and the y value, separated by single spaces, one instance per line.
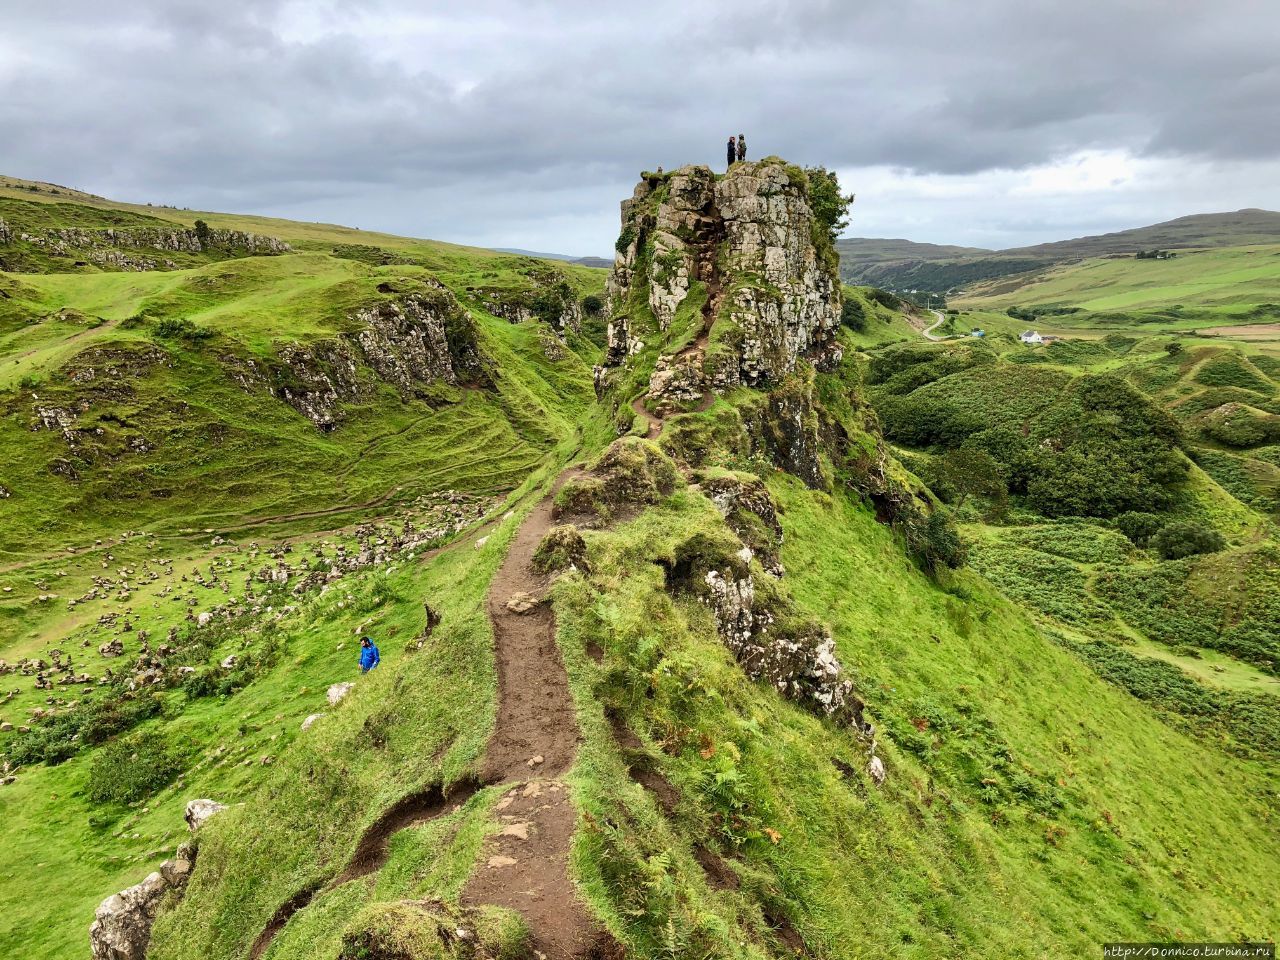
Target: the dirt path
pixel 653 424
pixel 535 741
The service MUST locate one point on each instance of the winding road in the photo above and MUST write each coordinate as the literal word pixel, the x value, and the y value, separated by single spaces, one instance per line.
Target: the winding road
pixel 928 331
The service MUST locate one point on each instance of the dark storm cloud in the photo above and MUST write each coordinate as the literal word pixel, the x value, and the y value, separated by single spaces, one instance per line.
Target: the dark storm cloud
pixel 458 120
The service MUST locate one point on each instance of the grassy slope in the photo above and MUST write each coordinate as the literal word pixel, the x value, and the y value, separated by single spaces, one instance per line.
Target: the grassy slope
pixel 1033 797
pixel 1031 809
pixel 247 466
pixel 1223 282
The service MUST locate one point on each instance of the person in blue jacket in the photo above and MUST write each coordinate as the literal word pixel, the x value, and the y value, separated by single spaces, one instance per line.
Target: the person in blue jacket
pixel 369 657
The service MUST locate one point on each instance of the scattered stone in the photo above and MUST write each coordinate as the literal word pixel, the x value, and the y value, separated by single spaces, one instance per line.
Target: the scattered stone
pixel 535 761
pixel 310 720
pixel 338 691
pixel 494 862
pixel 521 603
pixel 199 811
pixel 875 770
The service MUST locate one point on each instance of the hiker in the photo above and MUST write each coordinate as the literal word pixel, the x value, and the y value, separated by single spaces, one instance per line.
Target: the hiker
pixel 742 148
pixel 369 657
pixel 733 151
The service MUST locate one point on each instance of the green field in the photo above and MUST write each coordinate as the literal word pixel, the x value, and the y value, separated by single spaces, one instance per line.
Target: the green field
pixel 1195 289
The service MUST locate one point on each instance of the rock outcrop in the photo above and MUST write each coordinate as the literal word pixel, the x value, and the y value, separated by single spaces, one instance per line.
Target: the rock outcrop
pixel 550 298
pixel 759 624
pixel 199 811
pixel 174 240
pixel 772 294
pixel 121 928
pixel 338 692
pixel 410 341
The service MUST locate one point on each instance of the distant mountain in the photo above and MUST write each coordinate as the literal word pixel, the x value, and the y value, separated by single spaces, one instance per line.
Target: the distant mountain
pixel 905 265
pixel 587 261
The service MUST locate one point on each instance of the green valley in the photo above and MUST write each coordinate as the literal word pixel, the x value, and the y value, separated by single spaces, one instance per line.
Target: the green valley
pixel 720 613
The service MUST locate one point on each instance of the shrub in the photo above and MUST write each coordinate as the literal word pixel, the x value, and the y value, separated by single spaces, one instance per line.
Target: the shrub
pixel 932 540
pixel 1232 370
pixel 625 238
pixel 884 298
pixel 830 207
pixel 1184 538
pixel 61 736
pixel 967 471
pixel 592 305
pixel 1138 526
pixel 182 329
pixel 854 315
pixel 131 769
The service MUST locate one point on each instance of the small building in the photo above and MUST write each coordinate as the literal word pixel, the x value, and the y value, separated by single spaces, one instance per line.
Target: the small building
pixel 1031 336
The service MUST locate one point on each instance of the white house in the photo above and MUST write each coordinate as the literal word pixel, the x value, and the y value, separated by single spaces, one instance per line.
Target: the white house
pixel 1030 336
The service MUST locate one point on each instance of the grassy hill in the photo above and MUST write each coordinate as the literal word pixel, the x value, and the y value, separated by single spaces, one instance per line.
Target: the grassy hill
pixel 217 476
pixel 903 265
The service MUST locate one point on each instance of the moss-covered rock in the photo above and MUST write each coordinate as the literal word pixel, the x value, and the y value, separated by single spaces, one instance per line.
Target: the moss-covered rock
pixel 750 511
pixel 561 549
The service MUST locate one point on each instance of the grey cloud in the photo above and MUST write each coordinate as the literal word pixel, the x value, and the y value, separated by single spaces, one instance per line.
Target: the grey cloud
pixel 483 108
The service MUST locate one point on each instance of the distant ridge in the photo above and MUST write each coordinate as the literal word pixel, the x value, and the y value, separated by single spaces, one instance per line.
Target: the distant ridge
pixel 588 261
pixel 904 264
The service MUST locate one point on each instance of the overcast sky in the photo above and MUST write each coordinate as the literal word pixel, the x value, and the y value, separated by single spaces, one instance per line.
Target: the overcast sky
pixel 523 123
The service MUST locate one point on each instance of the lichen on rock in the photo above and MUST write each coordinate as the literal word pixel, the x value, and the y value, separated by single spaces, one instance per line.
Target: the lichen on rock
pixel 771 641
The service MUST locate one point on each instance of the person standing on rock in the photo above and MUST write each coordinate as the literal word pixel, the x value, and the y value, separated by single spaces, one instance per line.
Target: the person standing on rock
pixel 369 657
pixel 732 152
pixel 742 148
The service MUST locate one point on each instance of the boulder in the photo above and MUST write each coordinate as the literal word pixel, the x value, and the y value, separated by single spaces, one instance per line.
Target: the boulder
pixel 876 771
pixel 121 927
pixel 199 811
pixel 338 691
pixel 311 719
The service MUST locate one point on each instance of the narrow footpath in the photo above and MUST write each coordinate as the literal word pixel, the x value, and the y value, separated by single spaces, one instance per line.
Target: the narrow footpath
pixel 525 866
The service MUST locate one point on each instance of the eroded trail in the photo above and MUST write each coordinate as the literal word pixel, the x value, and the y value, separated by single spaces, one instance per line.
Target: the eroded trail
pixel 525 866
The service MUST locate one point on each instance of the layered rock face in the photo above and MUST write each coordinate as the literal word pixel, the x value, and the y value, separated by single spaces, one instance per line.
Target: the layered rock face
pixel 772 298
pixel 120 248
pixel 410 342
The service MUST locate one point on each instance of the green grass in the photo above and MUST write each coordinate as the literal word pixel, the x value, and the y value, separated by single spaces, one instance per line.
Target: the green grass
pixel 1218 285
pixel 1027 799
pixel 1044 794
